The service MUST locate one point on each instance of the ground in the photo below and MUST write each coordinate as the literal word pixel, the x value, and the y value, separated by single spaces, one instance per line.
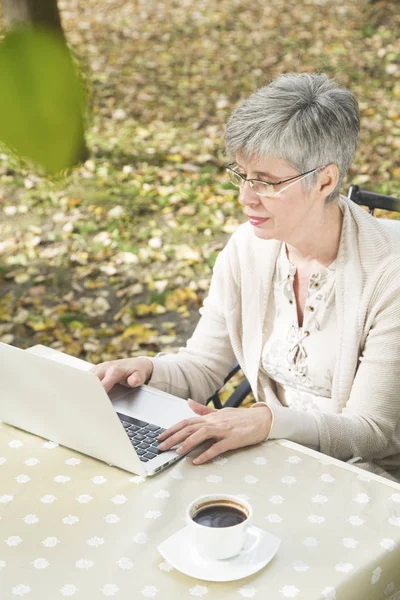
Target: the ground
pixel 115 258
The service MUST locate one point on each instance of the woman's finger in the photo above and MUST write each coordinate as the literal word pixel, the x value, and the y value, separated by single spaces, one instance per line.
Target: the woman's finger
pixel 200 409
pixel 180 436
pixel 181 425
pixel 134 379
pixel 203 433
pixel 215 450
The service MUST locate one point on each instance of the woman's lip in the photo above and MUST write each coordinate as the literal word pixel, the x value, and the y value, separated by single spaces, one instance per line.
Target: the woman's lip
pixel 257 220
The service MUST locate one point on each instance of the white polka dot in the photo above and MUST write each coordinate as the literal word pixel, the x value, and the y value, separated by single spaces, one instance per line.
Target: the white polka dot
pixel 220 461
pixel 362 499
pixel 376 575
pixel 22 478
pixel 250 479
pixel 276 499
pixel 274 518
pixel 152 514
pixel 344 567
pixel 326 478
pixel 289 591
pixel 70 520
pixel 2 460
pixel 95 541
pixel 389 588
pixel 388 544
pixel 50 445
pixel 83 563
pixel 161 494
pixel 69 589
pixel 119 499
pixel 326 461
pixel 137 479
pixel 112 518
pixel 141 538
pixel 329 593
pixel 213 478
pixel 48 499
pixel 260 460
pixel 355 520
pixel 149 591
pixel 318 499
pixel 3 564
pixel 395 497
pixel 198 590
pixel 364 477
pixel 61 478
pixel 316 519
pixel 310 542
pixel 165 566
pixel 350 543
pixel 6 498
pixel 247 591
pixel 394 521
pixel 288 479
pixel 31 462
pixel 294 460
pixel 176 474
pixel 31 519
pixel 21 589
pixel 15 444
pixel 72 462
pixel 99 479
pixel 109 589
pixel 84 498
pixel 300 566
pixel 13 540
pixel 50 542
pixel 40 563
pixel 125 563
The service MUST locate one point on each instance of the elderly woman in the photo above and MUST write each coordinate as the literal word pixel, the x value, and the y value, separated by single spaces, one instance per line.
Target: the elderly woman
pixel 305 295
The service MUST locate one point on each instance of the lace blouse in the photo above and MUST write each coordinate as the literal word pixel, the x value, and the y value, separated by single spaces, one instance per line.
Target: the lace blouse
pixel 301 360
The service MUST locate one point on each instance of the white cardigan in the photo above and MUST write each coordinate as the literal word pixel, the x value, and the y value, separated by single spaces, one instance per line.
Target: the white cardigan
pixel 366 381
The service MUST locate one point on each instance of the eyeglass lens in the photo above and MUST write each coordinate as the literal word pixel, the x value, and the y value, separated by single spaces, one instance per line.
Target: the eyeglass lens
pixel 257 186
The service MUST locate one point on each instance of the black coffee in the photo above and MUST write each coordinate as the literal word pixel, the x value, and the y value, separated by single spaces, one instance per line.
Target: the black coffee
pixel 219 515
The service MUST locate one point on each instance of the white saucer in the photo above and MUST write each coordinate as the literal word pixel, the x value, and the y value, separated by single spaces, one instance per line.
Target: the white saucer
pixel 259 549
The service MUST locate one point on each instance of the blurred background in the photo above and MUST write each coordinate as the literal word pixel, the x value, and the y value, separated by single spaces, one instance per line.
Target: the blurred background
pixel 114 257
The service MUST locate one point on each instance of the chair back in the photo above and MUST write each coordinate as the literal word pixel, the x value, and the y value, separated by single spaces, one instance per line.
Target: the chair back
pixel 373 200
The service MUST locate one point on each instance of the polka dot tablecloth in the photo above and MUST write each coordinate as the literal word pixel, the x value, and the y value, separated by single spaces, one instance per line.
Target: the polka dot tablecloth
pixel 73 527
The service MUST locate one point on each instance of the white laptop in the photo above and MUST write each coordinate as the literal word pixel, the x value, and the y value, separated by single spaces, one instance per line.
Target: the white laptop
pixel 53 395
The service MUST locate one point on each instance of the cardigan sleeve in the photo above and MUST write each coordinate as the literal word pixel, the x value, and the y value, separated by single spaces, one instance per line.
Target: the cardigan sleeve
pixel 199 369
pixel 295 425
pixel 368 425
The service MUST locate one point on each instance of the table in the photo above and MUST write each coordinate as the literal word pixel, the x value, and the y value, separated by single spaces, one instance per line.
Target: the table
pixel 74 527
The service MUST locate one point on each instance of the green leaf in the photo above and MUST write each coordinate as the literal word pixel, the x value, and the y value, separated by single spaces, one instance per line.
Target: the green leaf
pixel 41 99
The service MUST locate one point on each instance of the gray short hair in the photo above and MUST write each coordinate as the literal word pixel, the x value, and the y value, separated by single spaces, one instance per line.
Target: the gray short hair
pixel 305 119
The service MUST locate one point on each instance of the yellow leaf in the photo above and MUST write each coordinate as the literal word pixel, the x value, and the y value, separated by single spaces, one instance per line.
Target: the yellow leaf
pixel 180 298
pixel 141 332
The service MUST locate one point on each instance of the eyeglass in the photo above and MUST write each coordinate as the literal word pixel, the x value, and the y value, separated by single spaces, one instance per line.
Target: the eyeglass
pixel 261 187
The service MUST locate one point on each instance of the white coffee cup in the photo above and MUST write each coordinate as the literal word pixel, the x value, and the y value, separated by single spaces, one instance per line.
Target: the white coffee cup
pixel 216 542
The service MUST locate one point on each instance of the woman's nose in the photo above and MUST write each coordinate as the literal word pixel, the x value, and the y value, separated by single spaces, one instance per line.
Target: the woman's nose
pixel 247 195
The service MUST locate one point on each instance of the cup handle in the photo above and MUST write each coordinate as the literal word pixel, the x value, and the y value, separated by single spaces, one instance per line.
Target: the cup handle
pixel 251 532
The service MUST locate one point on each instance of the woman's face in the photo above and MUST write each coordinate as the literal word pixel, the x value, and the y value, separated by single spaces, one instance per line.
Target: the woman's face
pixel 284 215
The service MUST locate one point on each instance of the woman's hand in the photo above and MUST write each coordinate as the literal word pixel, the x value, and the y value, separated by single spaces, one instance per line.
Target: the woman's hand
pixel 128 371
pixel 230 428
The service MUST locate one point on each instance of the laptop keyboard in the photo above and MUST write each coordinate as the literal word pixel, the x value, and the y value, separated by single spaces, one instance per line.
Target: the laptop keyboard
pixel 143 436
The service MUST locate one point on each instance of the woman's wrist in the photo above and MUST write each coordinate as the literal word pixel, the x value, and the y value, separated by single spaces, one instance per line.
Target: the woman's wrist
pixel 149 368
pixel 269 416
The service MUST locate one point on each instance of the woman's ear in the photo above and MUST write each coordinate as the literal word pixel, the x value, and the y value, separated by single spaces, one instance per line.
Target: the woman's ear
pixel 328 179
